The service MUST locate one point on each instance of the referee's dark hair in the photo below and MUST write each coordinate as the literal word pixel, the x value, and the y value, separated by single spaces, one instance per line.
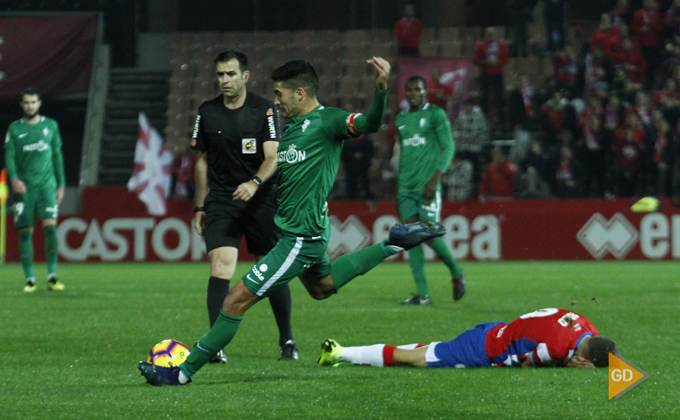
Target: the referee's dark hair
pixel 298 73
pixel 29 91
pixel 227 55
pixel 417 78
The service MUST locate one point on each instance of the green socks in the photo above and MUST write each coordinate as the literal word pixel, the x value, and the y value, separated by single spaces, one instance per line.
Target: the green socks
pixel 51 248
pixel 216 339
pixel 416 259
pixel 439 247
pixel 358 263
pixel 26 252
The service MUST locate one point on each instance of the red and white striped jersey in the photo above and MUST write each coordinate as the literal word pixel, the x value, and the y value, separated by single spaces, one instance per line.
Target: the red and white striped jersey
pixel 548 336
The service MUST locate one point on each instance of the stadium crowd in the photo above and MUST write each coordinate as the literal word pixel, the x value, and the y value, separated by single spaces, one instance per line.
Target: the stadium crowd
pixel 606 124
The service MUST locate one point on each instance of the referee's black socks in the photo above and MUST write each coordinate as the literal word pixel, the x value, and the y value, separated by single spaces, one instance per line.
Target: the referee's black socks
pixel 218 289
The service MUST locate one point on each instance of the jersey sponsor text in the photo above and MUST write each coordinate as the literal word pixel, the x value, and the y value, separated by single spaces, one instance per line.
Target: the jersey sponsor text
pixel 292 155
pixel 40 146
pixel 416 140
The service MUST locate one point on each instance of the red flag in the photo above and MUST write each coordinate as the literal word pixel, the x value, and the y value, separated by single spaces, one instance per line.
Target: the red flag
pixel 153 165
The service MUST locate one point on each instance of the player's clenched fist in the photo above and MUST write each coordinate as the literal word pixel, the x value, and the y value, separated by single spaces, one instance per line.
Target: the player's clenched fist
pixel 382 72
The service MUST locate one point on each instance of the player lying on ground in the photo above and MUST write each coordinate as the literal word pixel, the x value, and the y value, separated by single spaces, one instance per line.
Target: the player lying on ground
pixel 308 159
pixel 547 337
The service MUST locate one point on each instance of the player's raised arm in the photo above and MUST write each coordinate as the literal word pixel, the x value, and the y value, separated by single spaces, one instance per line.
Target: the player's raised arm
pixel 372 121
pixel 381 72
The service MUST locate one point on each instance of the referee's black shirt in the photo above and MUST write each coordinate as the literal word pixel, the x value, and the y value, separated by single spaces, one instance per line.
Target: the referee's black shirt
pixel 233 140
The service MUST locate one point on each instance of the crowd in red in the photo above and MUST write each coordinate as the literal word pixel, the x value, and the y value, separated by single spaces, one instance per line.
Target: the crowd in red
pixel 608 122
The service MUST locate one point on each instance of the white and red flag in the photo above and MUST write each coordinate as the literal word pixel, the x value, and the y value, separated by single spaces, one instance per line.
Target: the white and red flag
pixel 151 176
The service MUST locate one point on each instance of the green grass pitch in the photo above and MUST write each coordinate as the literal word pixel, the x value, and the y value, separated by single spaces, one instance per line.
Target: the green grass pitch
pixel 74 354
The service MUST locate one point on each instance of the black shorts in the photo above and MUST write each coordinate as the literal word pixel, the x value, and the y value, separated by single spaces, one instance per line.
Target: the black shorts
pixel 226 221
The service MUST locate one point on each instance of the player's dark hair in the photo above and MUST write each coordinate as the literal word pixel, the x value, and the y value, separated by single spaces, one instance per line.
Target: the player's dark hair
pixel 29 91
pixel 227 55
pixel 416 78
pixel 599 348
pixel 297 74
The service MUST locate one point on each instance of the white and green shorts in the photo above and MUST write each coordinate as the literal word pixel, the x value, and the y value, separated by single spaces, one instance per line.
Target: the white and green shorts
pixel 293 256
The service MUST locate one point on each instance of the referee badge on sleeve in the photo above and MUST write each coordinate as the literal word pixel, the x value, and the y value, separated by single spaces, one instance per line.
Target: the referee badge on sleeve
pixel 248 146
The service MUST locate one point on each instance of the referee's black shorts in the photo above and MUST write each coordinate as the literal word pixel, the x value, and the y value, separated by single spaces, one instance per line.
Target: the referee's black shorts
pixel 226 221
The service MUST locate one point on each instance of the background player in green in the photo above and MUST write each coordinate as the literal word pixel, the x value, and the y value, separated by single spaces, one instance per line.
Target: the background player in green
pixel 36 170
pixel 308 159
pixel 426 149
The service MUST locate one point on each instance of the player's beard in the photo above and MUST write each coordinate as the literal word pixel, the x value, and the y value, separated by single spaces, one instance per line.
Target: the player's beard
pixel 31 115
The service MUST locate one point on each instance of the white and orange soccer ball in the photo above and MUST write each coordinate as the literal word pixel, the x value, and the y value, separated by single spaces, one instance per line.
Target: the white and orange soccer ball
pixel 168 353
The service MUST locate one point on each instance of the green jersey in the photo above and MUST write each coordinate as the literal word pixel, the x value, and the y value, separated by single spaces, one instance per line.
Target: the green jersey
pixel 308 159
pixel 426 145
pixel 33 154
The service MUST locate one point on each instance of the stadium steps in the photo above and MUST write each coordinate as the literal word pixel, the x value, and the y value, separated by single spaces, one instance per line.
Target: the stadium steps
pixel 131 91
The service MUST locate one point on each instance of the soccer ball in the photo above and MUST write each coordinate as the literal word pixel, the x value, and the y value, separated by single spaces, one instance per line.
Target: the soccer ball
pixel 168 353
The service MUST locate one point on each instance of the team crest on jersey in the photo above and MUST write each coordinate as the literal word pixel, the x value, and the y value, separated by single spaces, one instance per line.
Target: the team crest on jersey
pixel 248 146
pixel 305 125
pixel 422 122
pixel 292 155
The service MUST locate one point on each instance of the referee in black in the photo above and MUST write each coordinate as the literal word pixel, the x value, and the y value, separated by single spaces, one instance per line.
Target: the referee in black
pixel 237 137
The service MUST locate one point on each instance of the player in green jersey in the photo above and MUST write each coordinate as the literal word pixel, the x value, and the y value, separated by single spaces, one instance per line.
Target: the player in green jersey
pixel 308 158
pixel 36 171
pixel 426 149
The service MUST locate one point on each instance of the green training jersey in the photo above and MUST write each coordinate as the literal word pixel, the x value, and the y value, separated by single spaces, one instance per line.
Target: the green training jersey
pixel 33 154
pixel 426 144
pixel 308 159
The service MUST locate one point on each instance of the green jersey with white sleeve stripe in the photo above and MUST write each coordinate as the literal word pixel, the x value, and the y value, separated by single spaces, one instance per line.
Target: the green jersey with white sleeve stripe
pixel 308 159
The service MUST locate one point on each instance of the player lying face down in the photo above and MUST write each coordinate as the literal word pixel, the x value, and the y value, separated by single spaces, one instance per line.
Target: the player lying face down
pixel 544 338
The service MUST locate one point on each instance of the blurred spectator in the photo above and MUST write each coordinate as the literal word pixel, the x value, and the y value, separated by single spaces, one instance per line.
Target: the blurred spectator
pixel 671 54
pixel 597 68
pixel 567 68
pixel 520 103
pixel 595 148
pixel 357 154
pixel 521 16
pixel 606 36
pixel 556 116
pixel 439 93
pixel 537 169
pixel 458 180
pixel 499 177
pixel 594 107
pixel 408 30
pixel 520 144
pixel 491 56
pixel 613 114
pixel 671 21
pixel 641 109
pixel 630 60
pixel 568 177
pixel 627 165
pixel 470 132
pixel 623 14
pixel 664 158
pixel 669 91
pixel 183 184
pixel 554 24
pixel 648 25
pixel 667 101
